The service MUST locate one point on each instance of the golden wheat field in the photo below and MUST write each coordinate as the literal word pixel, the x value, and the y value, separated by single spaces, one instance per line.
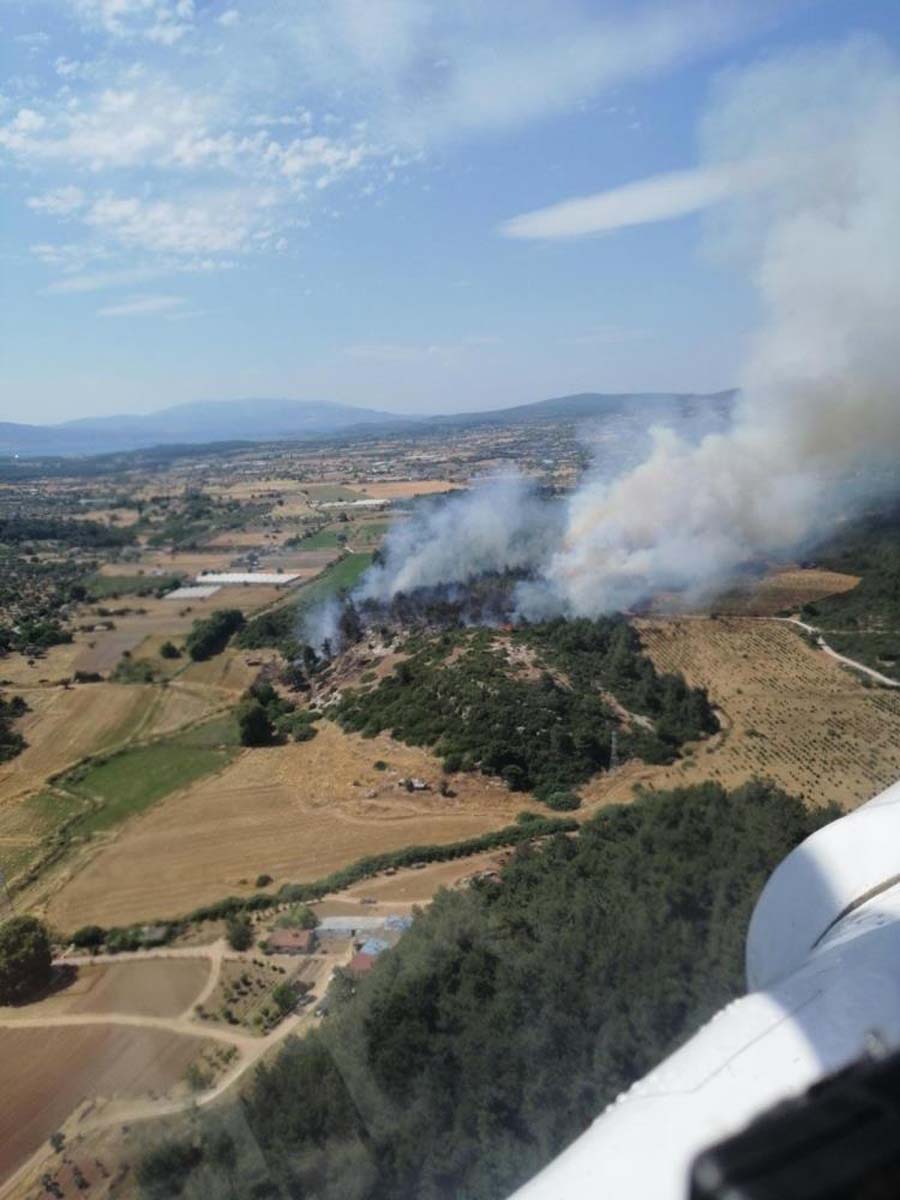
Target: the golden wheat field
pixel 295 812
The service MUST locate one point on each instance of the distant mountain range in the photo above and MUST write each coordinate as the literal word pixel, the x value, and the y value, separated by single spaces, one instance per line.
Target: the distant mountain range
pixel 266 420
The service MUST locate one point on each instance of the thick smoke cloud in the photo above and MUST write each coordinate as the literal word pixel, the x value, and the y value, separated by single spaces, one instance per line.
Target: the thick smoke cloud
pixel 819 401
pixel 501 525
pixel 818 418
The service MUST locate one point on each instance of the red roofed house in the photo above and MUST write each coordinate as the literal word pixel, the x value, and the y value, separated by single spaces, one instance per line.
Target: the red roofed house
pixel 291 941
pixel 361 963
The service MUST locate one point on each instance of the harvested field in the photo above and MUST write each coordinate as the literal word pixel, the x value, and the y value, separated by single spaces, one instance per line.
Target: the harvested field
pixel 229 671
pixel 784 591
pixel 101 651
pixel 790 713
pixel 400 892
pixel 152 987
pixel 65 725
pixel 295 812
pixel 57 663
pixel 46 1073
pixel 390 489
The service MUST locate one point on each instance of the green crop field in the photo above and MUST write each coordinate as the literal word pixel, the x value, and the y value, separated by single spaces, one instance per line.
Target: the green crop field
pixel 345 573
pixel 102 587
pixel 128 783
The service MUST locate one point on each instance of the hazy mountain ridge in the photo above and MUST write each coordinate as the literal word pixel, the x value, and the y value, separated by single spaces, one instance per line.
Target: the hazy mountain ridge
pixel 266 420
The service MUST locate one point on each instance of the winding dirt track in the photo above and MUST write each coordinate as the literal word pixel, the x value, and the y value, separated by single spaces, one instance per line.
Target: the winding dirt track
pixel 250 1049
pixel 841 658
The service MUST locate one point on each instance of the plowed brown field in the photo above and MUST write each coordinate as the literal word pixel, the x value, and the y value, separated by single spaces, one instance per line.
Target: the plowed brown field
pixel 46 1073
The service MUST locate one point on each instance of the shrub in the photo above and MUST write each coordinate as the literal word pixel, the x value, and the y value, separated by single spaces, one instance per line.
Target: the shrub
pixel 210 636
pixel 254 724
pixel 263 880
pixel 563 801
pixel 284 997
pixel 169 650
pixel 88 936
pixel 239 932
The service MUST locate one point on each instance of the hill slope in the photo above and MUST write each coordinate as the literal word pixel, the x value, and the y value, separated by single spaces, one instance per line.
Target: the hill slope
pixel 269 420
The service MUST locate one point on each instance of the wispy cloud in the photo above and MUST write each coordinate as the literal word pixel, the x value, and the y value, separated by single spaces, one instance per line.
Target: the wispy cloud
pixel 240 116
pixel 143 306
pixel 660 198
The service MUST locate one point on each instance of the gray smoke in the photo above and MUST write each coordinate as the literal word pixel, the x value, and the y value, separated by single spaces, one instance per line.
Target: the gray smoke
pixel 816 225
pixel 501 525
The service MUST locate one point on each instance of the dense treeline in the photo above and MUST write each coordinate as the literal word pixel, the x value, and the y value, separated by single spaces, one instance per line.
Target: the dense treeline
pixel 275 629
pixel 607 654
pixel 14 530
pixel 210 636
pixel 11 741
pixel 508 1016
pixel 461 694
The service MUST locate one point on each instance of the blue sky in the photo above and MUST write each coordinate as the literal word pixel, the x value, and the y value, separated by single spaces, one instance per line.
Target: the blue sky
pixel 330 199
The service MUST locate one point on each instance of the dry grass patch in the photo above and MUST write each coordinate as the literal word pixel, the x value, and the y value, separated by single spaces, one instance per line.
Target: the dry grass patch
pixel 790 713
pixel 65 725
pixel 152 987
pixel 295 812
pixel 389 489
pixel 785 591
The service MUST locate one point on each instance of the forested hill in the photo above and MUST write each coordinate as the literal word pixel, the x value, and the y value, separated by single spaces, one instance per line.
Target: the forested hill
pixel 537 706
pixel 507 1017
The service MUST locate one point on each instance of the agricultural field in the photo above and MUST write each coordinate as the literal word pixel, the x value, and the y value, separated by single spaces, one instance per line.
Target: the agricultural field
pixel 48 1072
pixel 784 591
pixel 295 812
pixel 152 987
pixel 789 713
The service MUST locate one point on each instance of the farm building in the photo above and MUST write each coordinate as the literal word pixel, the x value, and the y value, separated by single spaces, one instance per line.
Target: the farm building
pixel 361 964
pixel 192 592
pixel 291 941
pixel 373 947
pixel 225 578
pixel 338 927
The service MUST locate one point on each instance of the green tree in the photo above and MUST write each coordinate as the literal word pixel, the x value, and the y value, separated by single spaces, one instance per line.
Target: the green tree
pixel 169 650
pixel 255 724
pixel 239 932
pixel 25 959
pixel 285 998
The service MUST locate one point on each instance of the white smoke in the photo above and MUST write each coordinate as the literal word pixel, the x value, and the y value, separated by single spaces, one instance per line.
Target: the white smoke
pixel 820 389
pixel 501 525
pixel 817 228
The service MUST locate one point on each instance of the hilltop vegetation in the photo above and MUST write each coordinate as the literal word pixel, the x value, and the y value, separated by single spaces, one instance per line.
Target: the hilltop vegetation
pixel 864 622
pixel 461 694
pixel 509 1015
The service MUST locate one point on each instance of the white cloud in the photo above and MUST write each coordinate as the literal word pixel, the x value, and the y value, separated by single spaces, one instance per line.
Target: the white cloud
pixel 59 202
pixel 194 153
pixel 217 223
pixel 438 71
pixel 658 199
pixel 143 306
pixel 162 21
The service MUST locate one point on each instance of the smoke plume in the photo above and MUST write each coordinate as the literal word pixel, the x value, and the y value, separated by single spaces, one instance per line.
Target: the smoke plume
pixel 817 228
